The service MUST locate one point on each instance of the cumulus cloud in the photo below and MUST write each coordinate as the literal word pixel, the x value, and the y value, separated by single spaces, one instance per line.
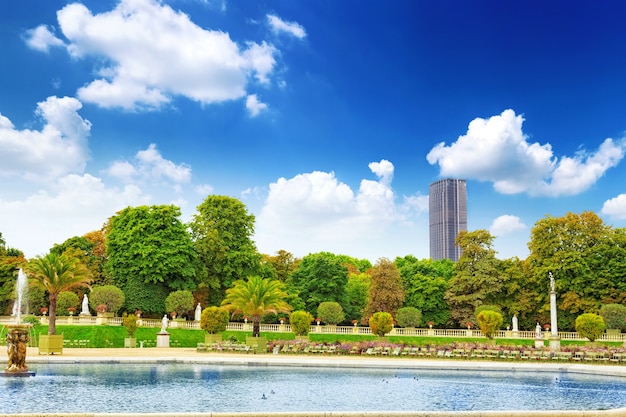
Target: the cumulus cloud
pixel 496 150
pixel 254 106
pixel 42 38
pixel 280 26
pixel 615 207
pixel 59 148
pixel 506 224
pixel 151 53
pixel 317 210
pixel 149 165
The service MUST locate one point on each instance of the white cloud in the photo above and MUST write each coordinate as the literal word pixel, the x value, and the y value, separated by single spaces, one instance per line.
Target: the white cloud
pixel 615 207
pixel 280 26
pixel 150 166
pixel 254 106
pixel 316 211
pixel 59 148
pixel 42 39
pixel 150 53
pixel 496 150
pixel 506 224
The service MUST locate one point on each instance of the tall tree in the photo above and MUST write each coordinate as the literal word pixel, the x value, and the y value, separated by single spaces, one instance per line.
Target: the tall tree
pixel 476 278
pixel 55 273
pixel 255 297
pixel 319 277
pixel 10 261
pixel 357 295
pixel 150 254
pixel 90 250
pixel 222 231
pixel 386 292
pixel 284 263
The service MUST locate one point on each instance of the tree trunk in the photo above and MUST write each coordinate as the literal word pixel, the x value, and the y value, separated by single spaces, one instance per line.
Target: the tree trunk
pixel 256 326
pixel 52 321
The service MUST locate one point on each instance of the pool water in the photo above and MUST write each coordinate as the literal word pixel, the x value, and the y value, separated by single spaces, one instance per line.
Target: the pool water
pixel 144 388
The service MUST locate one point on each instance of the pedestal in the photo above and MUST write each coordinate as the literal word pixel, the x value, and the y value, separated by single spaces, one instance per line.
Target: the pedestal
pixel 555 343
pixel 539 344
pixel 163 340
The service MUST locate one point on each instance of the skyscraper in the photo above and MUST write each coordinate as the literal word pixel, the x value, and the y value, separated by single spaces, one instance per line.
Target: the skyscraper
pixel 448 216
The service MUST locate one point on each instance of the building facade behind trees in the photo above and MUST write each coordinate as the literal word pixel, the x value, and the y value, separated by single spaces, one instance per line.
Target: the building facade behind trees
pixel 447 217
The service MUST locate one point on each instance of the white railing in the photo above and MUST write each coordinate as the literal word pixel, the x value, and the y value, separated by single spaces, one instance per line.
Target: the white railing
pixel 316 328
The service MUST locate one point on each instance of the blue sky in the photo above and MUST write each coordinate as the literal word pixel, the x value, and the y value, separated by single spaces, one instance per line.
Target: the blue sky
pixel 328 119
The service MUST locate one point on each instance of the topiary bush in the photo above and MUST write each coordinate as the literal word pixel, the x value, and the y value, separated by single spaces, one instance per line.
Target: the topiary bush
pixel 300 322
pixel 614 316
pixel 65 300
pixel 409 317
pixel 381 323
pixel 489 322
pixel 108 295
pixel 590 325
pixel 214 319
pixel 130 324
pixel 330 312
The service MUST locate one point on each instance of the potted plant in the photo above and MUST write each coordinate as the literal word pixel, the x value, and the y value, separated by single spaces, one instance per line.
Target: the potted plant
pixel 130 324
pixel 301 323
pixel 214 320
pixel 381 323
pixel 489 322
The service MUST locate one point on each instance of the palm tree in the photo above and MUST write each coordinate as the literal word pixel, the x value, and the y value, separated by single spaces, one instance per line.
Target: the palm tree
pixel 255 297
pixel 55 273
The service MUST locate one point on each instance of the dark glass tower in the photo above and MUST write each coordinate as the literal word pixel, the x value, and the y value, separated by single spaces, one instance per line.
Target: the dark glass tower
pixel 448 216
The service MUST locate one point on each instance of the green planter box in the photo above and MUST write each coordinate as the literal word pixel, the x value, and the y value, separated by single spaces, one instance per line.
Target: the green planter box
pixel 210 339
pixel 49 344
pixel 130 342
pixel 259 342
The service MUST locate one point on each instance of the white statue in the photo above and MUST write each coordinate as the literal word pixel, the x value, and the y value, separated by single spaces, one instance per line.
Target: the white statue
pixel 85 310
pixel 538 333
pixel 514 320
pixel 198 312
pixel 551 281
pixel 164 322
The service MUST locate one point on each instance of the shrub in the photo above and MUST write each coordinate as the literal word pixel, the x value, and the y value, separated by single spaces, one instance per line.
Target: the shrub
pixel 180 302
pixel 330 312
pixel 409 317
pixel 130 324
pixel 614 316
pixel 65 300
pixel 489 322
pixel 486 307
pixel 108 295
pixel 300 322
pixel 214 319
pixel 590 325
pixel 381 323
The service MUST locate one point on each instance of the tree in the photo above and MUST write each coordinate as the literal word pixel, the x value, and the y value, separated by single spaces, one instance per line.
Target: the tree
pixel 590 325
pixel 409 317
pixel 357 295
pixel 386 292
pixel 319 277
pixel 614 316
pixel 214 319
pixel 129 321
pixel 65 300
pixel 255 297
pixel 90 250
pixel 476 278
pixel 109 295
pixel 222 231
pixel 150 254
pixel 300 322
pixel 330 312
pixel 489 322
pixel 180 302
pixel 55 273
pixel 381 323
pixel 284 263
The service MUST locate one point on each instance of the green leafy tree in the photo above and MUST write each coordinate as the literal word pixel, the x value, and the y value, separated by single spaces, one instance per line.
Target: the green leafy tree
pixel 180 302
pixel 150 254
pixel 357 295
pixel 489 322
pixel 300 322
pixel 476 278
pixel 222 231
pixel 255 297
pixel 214 319
pixel 320 277
pixel 66 299
pixel 330 312
pixel 409 317
pixel 590 325
pixel 386 291
pixel 284 263
pixel 614 316
pixel 10 262
pixel 425 283
pixel 381 323
pixel 55 273
pixel 90 250
pixel 109 295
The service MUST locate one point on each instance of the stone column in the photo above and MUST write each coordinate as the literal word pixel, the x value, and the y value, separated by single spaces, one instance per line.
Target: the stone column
pixel 555 342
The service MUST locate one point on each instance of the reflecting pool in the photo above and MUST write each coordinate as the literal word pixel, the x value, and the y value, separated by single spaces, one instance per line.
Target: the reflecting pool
pixel 116 388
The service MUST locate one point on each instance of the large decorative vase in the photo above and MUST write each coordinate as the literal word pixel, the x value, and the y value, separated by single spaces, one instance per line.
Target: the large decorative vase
pixel 49 344
pixel 17 341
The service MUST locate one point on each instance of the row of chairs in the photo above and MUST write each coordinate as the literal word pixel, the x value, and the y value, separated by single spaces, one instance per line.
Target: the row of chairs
pixel 225 347
pixel 76 343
